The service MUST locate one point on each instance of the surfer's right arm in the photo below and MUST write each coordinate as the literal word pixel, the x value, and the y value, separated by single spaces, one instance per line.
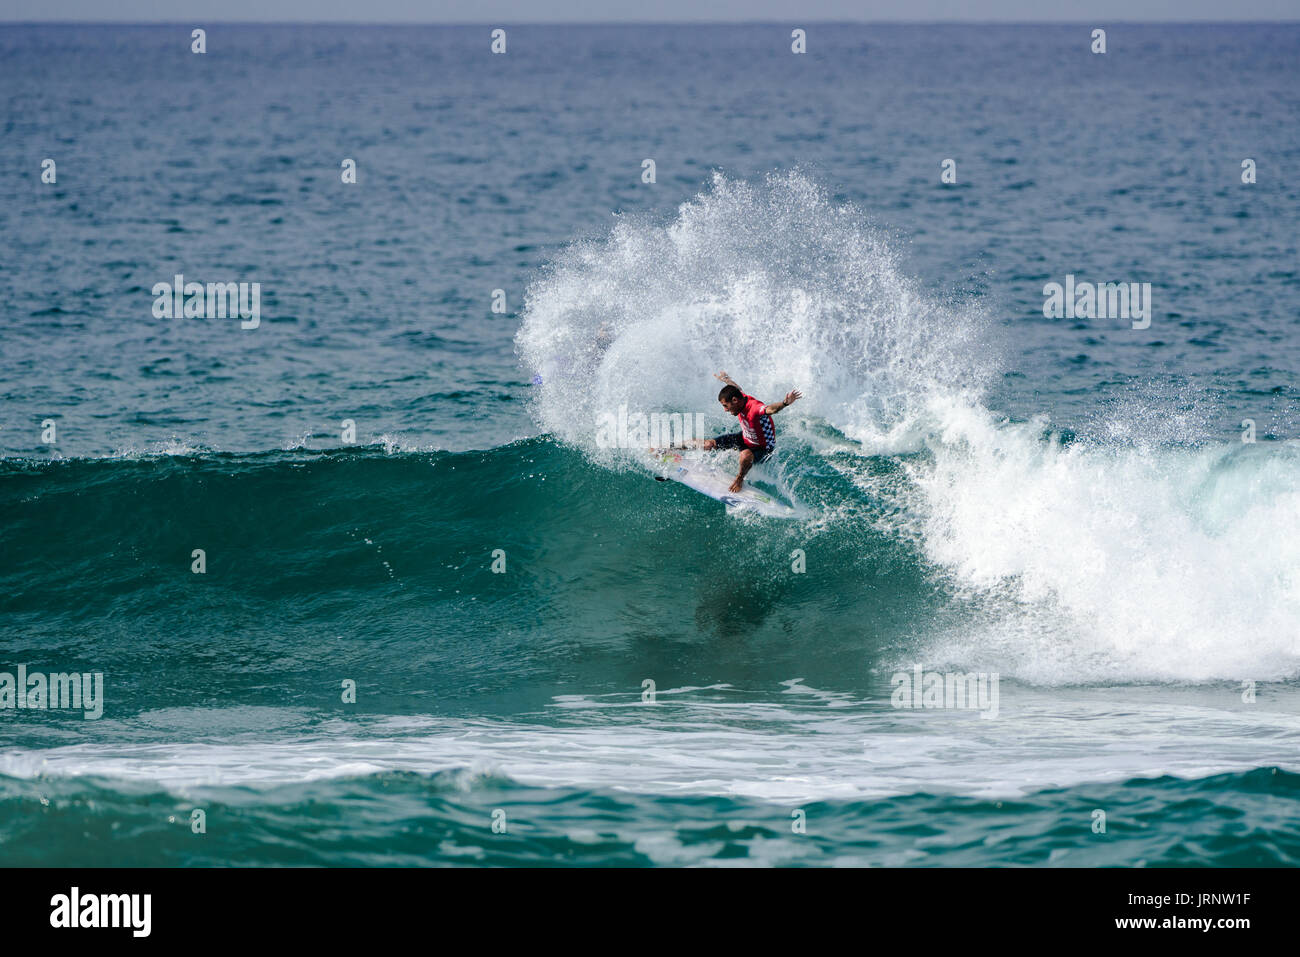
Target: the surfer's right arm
pixel 723 377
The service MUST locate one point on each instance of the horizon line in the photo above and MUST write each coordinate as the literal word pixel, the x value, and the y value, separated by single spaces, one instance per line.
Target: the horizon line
pixel 1101 21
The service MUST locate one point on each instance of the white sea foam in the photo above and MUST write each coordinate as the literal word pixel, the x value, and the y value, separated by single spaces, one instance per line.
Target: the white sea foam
pixel 1132 562
pixel 701 742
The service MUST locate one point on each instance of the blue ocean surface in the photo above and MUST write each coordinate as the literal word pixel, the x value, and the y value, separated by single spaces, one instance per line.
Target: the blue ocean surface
pixel 365 585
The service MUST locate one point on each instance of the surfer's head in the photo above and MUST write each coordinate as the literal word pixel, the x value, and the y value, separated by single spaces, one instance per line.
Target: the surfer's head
pixel 732 399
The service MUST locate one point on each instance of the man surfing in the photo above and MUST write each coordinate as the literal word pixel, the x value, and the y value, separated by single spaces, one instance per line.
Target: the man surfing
pixel 757 436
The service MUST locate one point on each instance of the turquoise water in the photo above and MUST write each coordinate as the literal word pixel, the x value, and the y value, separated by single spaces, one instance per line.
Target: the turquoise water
pixel 401 818
pixel 557 660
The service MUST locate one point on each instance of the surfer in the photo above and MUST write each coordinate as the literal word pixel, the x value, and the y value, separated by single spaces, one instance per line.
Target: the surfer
pixel 757 436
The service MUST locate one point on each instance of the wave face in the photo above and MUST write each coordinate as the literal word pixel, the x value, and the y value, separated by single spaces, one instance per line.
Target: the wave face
pixel 379 566
pixel 993 548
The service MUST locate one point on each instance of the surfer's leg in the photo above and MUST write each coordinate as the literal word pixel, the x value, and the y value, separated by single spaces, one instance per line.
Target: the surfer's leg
pixel 746 463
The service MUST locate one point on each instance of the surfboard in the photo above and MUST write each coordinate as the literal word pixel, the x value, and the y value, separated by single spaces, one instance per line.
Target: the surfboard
pixel 708 479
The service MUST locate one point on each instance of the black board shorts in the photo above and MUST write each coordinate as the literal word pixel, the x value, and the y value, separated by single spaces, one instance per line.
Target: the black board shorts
pixel 736 440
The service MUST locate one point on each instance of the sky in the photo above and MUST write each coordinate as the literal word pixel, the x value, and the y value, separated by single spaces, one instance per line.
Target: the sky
pixel 614 11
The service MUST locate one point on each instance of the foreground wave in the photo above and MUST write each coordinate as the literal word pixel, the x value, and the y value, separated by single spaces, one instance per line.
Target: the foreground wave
pixel 997 547
pixel 406 819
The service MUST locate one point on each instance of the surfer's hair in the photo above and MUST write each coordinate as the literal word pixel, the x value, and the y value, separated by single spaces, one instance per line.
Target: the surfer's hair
pixel 730 392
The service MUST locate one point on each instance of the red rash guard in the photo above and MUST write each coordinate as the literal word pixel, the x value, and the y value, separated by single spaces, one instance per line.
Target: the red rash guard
pixel 756 425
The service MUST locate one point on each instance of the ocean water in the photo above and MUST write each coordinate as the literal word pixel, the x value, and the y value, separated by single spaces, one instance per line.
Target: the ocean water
pixel 557 660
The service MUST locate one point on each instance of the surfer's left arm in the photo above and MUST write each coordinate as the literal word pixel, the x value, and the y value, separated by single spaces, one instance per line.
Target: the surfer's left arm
pixel 790 398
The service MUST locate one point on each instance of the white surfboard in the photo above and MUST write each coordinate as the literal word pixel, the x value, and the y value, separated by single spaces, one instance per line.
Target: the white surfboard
pixel 708 479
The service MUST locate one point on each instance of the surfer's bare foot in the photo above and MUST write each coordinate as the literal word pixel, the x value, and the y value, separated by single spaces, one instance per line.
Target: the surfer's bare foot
pixel 735 486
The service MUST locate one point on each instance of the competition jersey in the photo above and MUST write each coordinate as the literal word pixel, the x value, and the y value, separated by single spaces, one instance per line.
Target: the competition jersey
pixel 756 425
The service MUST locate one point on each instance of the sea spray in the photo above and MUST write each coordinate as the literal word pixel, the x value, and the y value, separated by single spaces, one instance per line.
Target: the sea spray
pixel 774 282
